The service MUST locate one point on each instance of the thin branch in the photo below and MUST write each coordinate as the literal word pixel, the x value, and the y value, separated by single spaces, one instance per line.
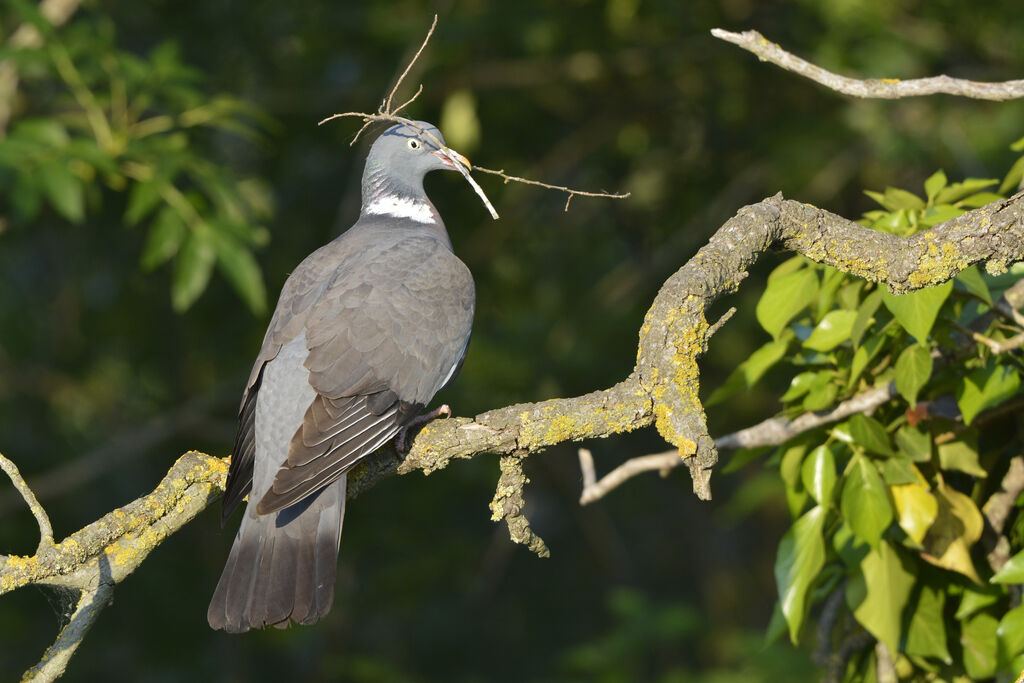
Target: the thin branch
pixel 571 192
pixel 998 508
pixel 874 88
pixel 42 519
pixel 55 660
pixel 398 83
pixel 386 114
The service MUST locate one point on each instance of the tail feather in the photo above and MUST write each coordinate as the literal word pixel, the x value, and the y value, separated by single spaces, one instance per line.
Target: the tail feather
pixel 282 565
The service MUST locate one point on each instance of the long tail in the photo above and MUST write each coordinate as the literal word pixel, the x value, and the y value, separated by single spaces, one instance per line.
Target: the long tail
pixel 282 565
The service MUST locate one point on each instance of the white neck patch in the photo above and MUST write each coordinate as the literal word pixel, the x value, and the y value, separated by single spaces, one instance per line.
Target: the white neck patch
pixel 400 207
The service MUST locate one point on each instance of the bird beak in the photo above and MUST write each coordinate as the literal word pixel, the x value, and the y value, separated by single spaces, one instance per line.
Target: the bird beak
pixel 453 160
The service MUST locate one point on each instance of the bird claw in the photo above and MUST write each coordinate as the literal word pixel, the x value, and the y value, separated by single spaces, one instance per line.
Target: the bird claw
pixel 444 410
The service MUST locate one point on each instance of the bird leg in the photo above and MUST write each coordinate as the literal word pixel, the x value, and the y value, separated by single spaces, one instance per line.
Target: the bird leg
pixel 443 410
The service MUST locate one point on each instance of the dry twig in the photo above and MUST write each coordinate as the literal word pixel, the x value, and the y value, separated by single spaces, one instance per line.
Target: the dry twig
pixel 386 114
pixel 875 88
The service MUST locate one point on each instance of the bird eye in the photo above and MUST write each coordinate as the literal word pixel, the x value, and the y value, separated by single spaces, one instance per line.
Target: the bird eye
pixel 413 143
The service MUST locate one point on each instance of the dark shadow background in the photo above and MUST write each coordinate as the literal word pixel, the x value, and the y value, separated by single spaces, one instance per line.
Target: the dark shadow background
pixel 649 583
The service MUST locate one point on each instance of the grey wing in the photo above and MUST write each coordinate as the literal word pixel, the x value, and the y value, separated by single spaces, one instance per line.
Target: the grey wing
pixel 299 294
pixel 383 337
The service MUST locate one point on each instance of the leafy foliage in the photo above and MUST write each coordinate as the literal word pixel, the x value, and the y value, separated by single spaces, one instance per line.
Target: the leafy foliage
pixel 887 507
pixel 139 128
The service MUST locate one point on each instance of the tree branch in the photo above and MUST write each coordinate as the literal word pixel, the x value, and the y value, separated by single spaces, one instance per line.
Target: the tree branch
pixel 662 388
pixel 875 88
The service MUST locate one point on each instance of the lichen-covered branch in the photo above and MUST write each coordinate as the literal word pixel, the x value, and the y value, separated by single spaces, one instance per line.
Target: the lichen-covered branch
pixel 508 504
pixel 874 88
pixel 662 389
pixel 102 554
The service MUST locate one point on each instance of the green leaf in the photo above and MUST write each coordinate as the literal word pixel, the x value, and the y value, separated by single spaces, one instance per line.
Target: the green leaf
pixel 832 331
pixel 978 639
pixel 1012 180
pixel 958 191
pixel 192 271
pixel 239 266
pixel 1011 635
pixel 1012 571
pixel 863 355
pixel 917 311
pixel 896 198
pixel 897 471
pixel 972 280
pixel 763 359
pixel 984 388
pixel 980 199
pixel 784 298
pixel 879 592
pixel 935 182
pixel 865 502
pixel 956 529
pixel 64 190
pixel 164 240
pixel 961 454
pixel 870 434
pixel 916 509
pixel 801 556
pixel 821 397
pixel 976 598
pixel 799 385
pixel 914 443
pixel 865 315
pixel 913 369
pixel 939 214
pixel 144 198
pixel 818 474
pixel 926 633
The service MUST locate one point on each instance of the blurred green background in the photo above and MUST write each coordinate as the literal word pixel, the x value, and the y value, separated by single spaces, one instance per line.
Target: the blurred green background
pixel 103 383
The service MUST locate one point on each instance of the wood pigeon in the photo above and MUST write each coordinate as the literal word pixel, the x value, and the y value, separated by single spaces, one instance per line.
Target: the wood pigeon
pixel 367 329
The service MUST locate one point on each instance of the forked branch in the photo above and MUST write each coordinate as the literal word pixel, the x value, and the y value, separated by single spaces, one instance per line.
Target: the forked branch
pixel 873 88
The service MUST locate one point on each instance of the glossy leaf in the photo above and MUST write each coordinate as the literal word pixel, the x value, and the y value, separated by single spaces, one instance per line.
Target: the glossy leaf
pixel 917 311
pixel 800 557
pixel 1012 571
pixel 1010 634
pixel 913 370
pixel 878 593
pixel 784 298
pixel 985 388
pixel 818 474
pixel 974 282
pixel 865 501
pixel 832 331
pixel 916 509
pixel 799 385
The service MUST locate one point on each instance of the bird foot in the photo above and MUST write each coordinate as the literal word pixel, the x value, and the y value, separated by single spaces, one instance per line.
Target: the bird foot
pixel 441 411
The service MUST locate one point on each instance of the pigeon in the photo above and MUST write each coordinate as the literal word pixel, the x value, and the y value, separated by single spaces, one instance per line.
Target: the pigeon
pixel 367 329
